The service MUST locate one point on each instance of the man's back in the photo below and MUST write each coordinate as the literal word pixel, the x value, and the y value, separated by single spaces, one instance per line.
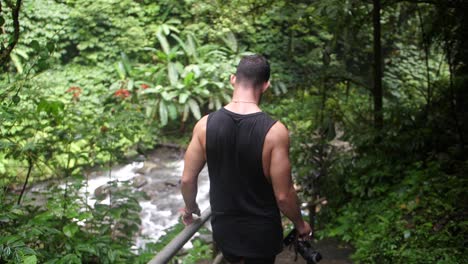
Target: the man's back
pixel 245 213
pixel 250 174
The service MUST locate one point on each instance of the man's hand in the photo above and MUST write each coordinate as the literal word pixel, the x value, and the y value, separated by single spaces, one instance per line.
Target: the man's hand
pixel 304 231
pixel 187 215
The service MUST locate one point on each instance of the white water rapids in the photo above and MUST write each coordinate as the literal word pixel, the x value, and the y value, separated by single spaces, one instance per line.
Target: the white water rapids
pixel 162 210
pixel 158 176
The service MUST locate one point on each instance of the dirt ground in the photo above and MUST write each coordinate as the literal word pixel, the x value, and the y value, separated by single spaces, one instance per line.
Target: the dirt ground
pixel 333 252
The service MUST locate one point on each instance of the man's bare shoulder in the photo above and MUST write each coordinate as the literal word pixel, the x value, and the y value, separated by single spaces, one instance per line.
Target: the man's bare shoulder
pixel 201 124
pixel 200 127
pixel 278 134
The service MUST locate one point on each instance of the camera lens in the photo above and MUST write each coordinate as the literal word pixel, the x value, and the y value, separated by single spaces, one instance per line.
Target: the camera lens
pixel 308 253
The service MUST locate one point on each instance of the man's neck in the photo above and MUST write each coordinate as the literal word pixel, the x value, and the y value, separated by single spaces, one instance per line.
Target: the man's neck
pixel 243 105
pixel 245 100
pixel 243 108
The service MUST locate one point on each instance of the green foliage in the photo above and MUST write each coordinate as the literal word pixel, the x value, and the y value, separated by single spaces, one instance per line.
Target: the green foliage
pixel 185 78
pixel 396 209
pixel 66 230
pixel 200 251
pixel 414 221
pixel 90 80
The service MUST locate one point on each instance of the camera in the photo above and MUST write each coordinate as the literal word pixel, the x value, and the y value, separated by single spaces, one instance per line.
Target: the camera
pixel 303 247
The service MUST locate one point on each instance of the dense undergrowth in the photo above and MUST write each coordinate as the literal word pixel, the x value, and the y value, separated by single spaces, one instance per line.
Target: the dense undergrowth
pixel 397 196
pixel 404 192
pixel 91 83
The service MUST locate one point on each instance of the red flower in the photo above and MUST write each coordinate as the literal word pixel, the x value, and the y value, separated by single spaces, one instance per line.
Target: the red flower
pixel 144 86
pixel 75 90
pixel 122 93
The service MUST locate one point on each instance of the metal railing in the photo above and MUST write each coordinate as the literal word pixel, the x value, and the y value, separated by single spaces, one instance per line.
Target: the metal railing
pixel 171 249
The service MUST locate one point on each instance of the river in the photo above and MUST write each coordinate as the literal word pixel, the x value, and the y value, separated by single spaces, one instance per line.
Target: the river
pixel 158 176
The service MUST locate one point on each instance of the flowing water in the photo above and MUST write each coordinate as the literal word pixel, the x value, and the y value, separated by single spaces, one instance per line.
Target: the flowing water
pixel 158 176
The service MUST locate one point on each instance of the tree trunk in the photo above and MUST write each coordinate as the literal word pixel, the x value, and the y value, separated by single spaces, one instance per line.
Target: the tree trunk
pixel 377 92
pixel 5 51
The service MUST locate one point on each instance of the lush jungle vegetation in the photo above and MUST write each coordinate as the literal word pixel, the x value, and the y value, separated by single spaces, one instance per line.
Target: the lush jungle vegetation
pixel 374 93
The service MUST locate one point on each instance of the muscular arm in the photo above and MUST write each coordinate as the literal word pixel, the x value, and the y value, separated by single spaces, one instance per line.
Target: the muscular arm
pixel 281 180
pixel 193 164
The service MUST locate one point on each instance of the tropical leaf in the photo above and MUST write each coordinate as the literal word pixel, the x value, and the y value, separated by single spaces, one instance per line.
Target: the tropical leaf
pixel 172 73
pixel 172 109
pixel 186 113
pixel 121 70
pixel 230 41
pixel 17 62
pixel 126 64
pixel 218 103
pixel 168 96
pixel 70 229
pixel 195 108
pixel 163 116
pixel 189 78
pixel 30 259
pixel 149 111
pixel 163 42
pixel 183 97
pixel 181 43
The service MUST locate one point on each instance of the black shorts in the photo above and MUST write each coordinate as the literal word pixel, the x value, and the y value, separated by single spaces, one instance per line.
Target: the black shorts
pixel 248 260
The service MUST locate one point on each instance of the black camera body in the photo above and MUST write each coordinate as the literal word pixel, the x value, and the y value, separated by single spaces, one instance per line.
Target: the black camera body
pixel 303 247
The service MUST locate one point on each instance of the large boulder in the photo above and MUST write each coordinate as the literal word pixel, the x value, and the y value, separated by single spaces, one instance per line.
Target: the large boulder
pixel 102 191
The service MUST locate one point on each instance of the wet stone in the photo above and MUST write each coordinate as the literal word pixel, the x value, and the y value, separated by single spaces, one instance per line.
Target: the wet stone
pixel 139 181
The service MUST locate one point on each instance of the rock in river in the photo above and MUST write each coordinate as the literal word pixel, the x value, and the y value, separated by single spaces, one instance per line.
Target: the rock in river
pixel 139 181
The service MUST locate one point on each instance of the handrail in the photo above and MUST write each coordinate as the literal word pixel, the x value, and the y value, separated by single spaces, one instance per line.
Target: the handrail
pixel 218 258
pixel 171 249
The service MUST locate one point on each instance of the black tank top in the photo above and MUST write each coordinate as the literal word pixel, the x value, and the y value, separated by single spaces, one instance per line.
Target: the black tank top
pixel 245 217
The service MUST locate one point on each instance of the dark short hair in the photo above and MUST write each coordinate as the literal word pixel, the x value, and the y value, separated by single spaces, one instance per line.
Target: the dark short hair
pixel 253 70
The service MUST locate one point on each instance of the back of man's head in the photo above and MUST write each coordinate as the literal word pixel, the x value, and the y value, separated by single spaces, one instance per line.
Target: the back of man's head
pixel 253 70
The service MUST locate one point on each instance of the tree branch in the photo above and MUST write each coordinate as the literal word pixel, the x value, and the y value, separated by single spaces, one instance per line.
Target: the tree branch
pixel 30 166
pixel 5 52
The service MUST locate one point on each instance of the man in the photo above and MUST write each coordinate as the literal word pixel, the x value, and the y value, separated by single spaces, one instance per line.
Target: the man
pixel 249 170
